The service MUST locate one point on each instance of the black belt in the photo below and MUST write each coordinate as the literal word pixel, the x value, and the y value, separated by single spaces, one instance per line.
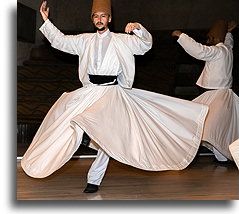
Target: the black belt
pixel 103 79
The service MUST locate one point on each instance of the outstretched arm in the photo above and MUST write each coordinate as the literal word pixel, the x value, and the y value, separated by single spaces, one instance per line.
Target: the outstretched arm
pixel 196 49
pixel 69 44
pixel 140 42
pixel 44 10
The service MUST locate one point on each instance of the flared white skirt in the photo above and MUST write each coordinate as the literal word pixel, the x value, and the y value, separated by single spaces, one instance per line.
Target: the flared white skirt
pixel 234 149
pixel 143 129
pixel 222 122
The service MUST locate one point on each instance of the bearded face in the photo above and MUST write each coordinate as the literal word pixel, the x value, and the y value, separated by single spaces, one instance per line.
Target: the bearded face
pixel 101 20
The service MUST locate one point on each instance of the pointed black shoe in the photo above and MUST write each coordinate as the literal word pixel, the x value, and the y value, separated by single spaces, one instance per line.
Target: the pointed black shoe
pixel 85 140
pixel 91 188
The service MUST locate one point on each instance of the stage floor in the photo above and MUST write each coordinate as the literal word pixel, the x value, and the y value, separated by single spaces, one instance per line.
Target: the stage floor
pixel 203 179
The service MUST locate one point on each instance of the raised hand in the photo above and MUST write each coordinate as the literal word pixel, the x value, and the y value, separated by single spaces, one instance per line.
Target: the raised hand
pixel 132 26
pixel 231 25
pixel 176 33
pixel 44 10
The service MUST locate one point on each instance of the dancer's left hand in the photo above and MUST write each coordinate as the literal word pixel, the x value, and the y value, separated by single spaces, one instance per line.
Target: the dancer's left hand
pixel 132 26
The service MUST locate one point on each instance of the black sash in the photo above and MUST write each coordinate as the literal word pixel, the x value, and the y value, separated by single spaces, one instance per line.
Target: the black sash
pixel 103 79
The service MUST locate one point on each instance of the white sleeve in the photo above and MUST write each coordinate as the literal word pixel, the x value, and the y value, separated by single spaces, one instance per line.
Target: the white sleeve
pixel 229 40
pixel 68 43
pixel 197 50
pixel 140 42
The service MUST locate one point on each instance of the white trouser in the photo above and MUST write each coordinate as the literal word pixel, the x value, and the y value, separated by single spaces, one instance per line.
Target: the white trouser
pixel 98 168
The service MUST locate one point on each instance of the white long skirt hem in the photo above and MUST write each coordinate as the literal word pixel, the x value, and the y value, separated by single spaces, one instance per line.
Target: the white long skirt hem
pixel 222 122
pixel 143 129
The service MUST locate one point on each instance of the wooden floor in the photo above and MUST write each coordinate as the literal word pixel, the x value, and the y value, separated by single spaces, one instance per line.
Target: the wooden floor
pixel 203 179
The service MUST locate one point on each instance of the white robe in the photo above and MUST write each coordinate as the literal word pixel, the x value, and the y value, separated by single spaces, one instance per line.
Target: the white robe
pixel 234 149
pixel 222 123
pixel 136 127
pixel 217 72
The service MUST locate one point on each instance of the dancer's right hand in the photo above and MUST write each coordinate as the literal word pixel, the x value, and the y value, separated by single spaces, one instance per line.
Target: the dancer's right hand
pixel 176 33
pixel 44 10
pixel 231 26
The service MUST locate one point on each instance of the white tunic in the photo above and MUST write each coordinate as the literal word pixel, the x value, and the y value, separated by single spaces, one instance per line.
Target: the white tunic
pixel 101 46
pixel 217 72
pixel 120 52
pixel 222 123
pixel 136 127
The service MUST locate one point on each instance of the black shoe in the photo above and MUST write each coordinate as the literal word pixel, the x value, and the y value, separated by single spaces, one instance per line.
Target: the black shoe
pixel 91 188
pixel 85 140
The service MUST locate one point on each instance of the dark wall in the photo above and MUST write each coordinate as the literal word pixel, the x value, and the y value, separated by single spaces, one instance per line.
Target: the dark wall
pixel 154 14
pixel 74 16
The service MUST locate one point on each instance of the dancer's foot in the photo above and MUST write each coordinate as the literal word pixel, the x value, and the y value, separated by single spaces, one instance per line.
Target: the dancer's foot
pixel 91 188
pixel 85 140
